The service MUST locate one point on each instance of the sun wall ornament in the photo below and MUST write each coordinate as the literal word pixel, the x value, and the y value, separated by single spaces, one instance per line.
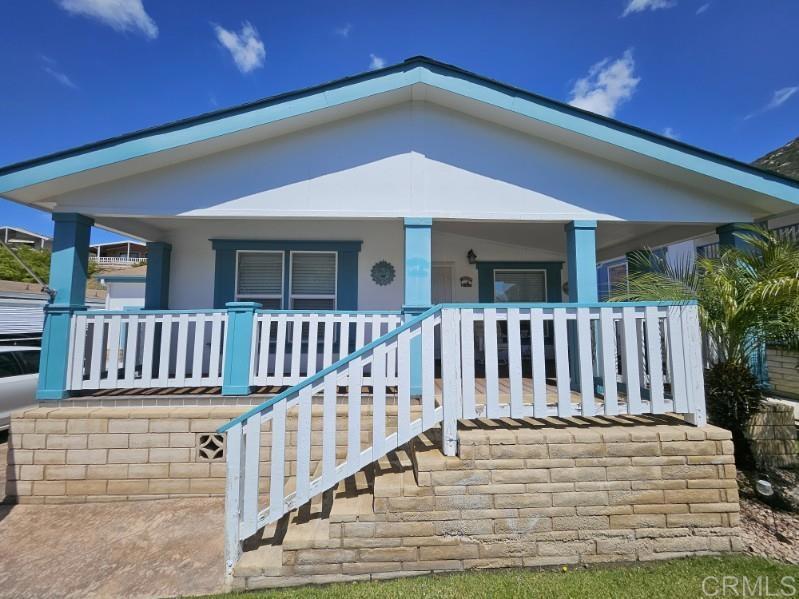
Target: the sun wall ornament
pixel 383 273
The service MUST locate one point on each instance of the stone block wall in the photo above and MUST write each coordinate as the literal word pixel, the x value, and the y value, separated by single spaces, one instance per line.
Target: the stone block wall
pixel 783 371
pixel 529 496
pixel 72 455
pixel 772 436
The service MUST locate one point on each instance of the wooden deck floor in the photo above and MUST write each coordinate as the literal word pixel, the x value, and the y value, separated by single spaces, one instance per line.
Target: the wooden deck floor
pixel 262 393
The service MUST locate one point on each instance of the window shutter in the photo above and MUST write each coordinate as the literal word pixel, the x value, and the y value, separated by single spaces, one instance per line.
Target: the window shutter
pixel 260 273
pixel 313 273
pixel 519 286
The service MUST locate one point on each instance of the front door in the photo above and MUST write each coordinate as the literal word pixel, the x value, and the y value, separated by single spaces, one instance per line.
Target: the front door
pixel 442 284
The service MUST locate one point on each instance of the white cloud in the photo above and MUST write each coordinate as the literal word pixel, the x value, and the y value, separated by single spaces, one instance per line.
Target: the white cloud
pixel 778 98
pixel 376 62
pixel 343 31
pixel 121 15
pixel 607 85
pixel 634 6
pixel 671 133
pixel 50 67
pixel 245 47
pixel 703 8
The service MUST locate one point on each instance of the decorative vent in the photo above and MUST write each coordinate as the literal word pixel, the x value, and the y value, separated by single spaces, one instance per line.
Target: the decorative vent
pixel 211 447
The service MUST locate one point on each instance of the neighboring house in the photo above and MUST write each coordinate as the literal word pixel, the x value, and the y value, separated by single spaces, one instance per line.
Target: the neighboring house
pixel 118 253
pixel 124 288
pixel 22 310
pixel 783 161
pixel 14 236
pixel 354 264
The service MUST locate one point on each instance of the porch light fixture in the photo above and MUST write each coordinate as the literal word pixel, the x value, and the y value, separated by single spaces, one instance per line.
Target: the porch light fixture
pixel 471 257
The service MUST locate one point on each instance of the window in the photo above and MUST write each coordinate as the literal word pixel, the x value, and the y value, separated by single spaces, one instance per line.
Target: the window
pixel 29 361
pixel 617 275
pixel 520 286
pixel 8 365
pixel 313 281
pixel 259 278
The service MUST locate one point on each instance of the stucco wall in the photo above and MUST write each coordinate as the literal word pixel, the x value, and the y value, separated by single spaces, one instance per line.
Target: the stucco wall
pixel 121 295
pixel 192 271
pixel 414 159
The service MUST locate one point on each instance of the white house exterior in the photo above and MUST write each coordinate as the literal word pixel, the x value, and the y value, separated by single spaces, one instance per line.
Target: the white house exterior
pixel 417 238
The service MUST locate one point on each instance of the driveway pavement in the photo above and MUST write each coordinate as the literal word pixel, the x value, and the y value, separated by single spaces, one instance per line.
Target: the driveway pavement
pixel 162 548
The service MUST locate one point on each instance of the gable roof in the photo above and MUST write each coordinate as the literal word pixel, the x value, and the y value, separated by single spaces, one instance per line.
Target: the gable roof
pixel 416 71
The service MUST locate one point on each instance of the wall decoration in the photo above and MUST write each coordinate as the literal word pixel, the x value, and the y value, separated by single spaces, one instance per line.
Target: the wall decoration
pixel 383 273
pixel 466 281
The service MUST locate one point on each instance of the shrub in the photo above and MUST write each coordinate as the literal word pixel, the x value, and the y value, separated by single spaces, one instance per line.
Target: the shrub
pixel 733 395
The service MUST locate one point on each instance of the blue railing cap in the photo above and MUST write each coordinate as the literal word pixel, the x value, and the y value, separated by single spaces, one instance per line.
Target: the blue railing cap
pixel 408 324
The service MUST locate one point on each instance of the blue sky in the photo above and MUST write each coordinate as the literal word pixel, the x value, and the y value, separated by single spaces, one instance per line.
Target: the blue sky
pixel 719 74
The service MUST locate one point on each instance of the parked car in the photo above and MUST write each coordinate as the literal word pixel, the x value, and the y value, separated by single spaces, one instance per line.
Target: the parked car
pixel 19 374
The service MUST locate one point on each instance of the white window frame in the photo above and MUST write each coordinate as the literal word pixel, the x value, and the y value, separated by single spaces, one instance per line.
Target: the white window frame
pixel 292 296
pixel 239 296
pixel 543 270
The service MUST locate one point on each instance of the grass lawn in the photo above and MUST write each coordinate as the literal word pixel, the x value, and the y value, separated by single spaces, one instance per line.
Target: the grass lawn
pixel 681 579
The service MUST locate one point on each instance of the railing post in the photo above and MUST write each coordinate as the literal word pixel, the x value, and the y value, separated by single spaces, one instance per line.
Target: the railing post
pixel 451 373
pixel 694 376
pixel 233 495
pixel 238 347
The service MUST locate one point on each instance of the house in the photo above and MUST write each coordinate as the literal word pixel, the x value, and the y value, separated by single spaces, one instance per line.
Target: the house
pixel 118 253
pixel 124 288
pixel 22 311
pixel 380 294
pixel 15 236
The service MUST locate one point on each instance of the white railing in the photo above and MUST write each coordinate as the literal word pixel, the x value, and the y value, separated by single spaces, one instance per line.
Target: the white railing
pixel 290 346
pixel 146 349
pixel 623 358
pixel 117 260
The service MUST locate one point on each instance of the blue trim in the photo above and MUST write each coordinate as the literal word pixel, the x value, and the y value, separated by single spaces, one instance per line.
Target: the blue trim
pixel 404 327
pixel 485 278
pixel 156 290
pixel 238 347
pixel 347 275
pixel 132 310
pixel 323 312
pixel 581 258
pixel 412 71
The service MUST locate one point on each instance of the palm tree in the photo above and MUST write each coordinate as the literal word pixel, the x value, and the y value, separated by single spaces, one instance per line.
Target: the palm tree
pixel 746 299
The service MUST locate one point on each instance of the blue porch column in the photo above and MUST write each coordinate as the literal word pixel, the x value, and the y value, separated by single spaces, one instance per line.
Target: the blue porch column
pixel 728 238
pixel 583 285
pixel 238 347
pixel 418 285
pixel 156 287
pixel 69 265
pixel 581 253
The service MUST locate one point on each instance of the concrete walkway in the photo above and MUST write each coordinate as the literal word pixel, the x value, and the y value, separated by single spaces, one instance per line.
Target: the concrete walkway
pixel 163 548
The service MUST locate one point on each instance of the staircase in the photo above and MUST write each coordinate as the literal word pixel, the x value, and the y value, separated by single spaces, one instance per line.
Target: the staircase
pixel 327 457
pixel 335 537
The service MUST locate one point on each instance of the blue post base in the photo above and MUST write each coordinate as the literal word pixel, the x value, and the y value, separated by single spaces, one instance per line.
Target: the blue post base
pixel 416 351
pixel 238 348
pixel 54 359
